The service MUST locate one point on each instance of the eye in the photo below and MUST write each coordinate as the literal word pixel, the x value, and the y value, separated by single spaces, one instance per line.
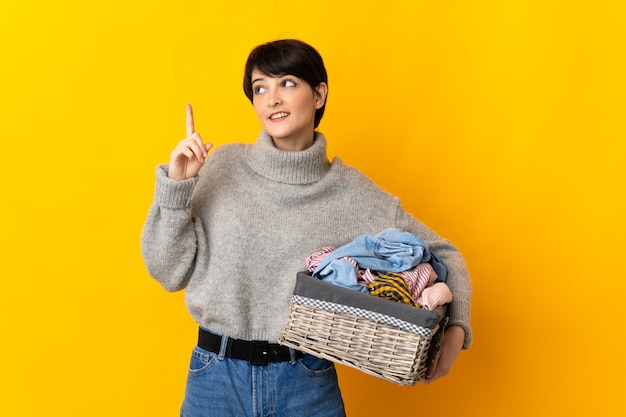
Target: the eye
pixel 289 83
pixel 258 89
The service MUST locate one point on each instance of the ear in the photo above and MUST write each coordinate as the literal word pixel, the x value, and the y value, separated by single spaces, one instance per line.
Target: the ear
pixel 321 91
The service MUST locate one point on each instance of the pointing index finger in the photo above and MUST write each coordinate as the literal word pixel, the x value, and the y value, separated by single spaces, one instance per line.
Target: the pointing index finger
pixel 189 120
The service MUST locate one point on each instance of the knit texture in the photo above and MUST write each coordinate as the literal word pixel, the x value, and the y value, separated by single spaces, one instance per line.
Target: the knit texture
pixel 235 236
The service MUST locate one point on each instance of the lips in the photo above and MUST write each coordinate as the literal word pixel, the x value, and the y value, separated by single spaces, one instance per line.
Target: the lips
pixel 278 115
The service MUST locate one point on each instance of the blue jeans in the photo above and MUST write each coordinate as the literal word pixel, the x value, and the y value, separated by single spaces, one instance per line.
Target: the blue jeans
pixel 218 386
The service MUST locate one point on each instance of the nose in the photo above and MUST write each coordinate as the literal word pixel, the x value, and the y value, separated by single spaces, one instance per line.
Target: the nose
pixel 274 98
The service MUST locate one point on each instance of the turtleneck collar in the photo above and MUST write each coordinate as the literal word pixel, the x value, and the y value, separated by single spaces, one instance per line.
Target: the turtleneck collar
pixel 298 168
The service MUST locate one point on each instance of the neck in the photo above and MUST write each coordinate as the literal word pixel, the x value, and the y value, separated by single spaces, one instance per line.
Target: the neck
pixel 294 145
pixel 301 167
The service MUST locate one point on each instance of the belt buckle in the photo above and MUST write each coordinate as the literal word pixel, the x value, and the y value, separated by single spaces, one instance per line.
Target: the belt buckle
pixel 260 352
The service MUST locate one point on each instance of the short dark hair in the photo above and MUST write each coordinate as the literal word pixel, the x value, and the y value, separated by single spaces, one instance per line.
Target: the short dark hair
pixel 287 57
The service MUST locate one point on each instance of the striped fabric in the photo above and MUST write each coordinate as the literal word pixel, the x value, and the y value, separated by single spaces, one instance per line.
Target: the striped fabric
pixel 313 260
pixel 419 278
pixel 365 276
pixel 392 286
pixel 435 295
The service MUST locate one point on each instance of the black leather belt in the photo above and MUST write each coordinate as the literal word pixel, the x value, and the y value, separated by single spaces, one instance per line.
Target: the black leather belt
pixel 256 352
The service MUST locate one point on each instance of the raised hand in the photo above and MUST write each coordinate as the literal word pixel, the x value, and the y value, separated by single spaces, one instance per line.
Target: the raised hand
pixel 189 155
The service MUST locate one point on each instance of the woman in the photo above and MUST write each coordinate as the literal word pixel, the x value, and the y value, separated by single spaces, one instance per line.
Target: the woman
pixel 233 228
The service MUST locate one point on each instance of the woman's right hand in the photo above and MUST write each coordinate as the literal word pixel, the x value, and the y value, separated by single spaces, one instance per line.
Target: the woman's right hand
pixel 190 153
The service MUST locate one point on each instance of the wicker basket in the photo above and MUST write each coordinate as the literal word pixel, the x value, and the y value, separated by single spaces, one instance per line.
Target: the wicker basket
pixel 380 337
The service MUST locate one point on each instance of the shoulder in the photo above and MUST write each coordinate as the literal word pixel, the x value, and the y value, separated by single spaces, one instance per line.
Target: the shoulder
pixel 224 155
pixel 223 167
pixel 228 150
pixel 355 181
pixel 349 172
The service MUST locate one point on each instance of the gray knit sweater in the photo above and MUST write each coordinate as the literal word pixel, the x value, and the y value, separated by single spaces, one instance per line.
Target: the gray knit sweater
pixel 235 236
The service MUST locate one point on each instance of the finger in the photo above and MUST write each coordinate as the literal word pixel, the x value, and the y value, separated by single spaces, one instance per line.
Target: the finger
pixel 202 147
pixel 193 148
pixel 191 153
pixel 189 120
pixel 432 367
pixel 207 148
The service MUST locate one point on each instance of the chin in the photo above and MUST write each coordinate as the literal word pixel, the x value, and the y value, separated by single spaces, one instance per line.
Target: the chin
pixel 277 134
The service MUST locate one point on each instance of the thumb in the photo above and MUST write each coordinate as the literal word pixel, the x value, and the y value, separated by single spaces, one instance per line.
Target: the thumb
pixel 430 370
pixel 432 366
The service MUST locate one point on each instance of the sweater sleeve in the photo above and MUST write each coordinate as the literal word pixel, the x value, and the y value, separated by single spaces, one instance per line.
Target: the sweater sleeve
pixel 170 236
pixel 458 279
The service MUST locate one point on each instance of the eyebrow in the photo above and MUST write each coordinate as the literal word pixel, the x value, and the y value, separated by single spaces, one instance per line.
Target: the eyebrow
pixel 273 76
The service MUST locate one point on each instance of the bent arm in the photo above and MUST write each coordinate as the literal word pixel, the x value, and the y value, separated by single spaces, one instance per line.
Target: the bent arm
pixel 169 239
pixel 458 279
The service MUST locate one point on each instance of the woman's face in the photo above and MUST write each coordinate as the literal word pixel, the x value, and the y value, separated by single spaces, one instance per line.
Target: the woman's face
pixel 285 106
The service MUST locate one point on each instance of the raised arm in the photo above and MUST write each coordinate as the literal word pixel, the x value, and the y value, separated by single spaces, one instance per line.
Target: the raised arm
pixel 189 155
pixel 172 236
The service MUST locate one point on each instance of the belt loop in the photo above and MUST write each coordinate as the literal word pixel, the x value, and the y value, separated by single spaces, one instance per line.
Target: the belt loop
pixel 292 355
pixel 223 345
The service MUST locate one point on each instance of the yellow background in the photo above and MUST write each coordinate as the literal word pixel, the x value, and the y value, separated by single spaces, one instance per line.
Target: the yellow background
pixel 499 124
